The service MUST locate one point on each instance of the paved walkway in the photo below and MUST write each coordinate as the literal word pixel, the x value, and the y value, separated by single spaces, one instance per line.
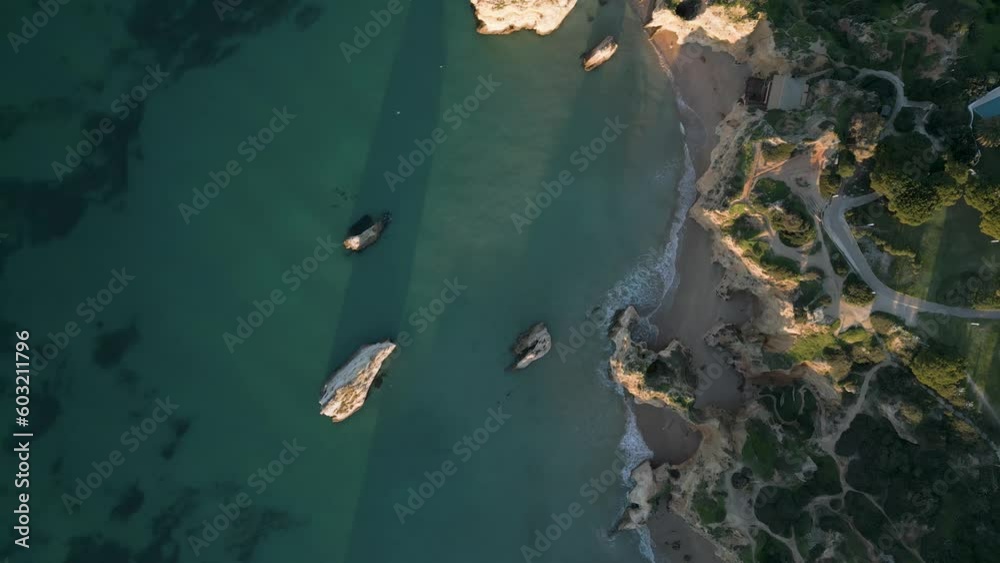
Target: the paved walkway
pixel 886 298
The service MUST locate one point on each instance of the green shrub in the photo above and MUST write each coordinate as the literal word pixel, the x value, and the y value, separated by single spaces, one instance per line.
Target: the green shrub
pixel 769 191
pixel 829 183
pixel 856 291
pixel 854 335
pixel 943 371
pixel 792 221
pixel 744 228
pixel 837 260
pixel 778 152
pixel 884 323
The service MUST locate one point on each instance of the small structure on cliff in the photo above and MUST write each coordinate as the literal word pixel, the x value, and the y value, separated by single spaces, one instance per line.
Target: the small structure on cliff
pixel 600 54
pixel 531 345
pixel 347 388
pixel 781 91
pixel 786 92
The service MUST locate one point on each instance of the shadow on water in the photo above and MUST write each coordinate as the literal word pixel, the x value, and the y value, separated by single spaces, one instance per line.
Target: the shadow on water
pixel 385 269
pixel 373 512
pixel 587 108
pixel 375 298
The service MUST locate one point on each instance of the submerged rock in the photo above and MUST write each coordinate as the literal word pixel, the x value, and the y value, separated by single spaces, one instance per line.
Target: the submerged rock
pixel 499 17
pixel 600 54
pixel 366 232
pixel 347 388
pixel 531 345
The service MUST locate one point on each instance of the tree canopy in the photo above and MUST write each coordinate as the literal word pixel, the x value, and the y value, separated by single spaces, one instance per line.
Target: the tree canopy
pixel 910 175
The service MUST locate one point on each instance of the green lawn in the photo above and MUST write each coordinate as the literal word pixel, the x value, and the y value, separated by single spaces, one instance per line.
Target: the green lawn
pixel 980 345
pixel 949 251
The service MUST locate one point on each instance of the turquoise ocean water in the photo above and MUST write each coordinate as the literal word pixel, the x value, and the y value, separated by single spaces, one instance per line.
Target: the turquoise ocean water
pixel 194 276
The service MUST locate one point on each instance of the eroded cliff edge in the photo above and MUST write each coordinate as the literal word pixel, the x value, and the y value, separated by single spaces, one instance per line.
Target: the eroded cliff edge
pixel 500 17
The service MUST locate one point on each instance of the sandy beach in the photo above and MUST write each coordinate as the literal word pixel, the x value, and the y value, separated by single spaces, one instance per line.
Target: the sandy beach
pixel 708 84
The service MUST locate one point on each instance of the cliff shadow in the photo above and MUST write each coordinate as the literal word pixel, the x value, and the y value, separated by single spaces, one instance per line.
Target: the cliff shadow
pixel 411 105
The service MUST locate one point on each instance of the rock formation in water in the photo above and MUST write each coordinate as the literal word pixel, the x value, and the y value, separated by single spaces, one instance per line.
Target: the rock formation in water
pixel 346 389
pixel 600 54
pixel 663 378
pixel 531 345
pixel 366 232
pixel 499 17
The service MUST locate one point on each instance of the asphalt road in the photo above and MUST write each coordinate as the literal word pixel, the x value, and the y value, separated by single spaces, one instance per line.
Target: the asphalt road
pixel 886 298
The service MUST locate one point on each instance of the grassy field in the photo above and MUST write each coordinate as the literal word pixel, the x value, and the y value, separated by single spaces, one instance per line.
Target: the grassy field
pixel 980 345
pixel 945 260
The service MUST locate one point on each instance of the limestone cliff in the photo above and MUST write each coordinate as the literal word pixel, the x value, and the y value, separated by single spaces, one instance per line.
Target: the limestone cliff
pixel 663 378
pixel 531 345
pixel 499 17
pixel 347 388
pixel 651 484
pixel 729 29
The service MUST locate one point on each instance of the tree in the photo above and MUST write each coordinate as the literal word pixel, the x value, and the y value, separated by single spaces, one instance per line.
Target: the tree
pixel 990 223
pixel 982 195
pixel 988 132
pixel 906 172
pixel 942 371
pixel 856 291
pixel 690 9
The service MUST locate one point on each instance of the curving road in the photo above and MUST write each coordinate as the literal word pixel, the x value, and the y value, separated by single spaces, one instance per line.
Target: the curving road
pixel 886 298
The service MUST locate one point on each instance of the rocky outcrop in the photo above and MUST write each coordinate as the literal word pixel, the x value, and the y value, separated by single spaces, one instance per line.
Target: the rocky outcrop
pixel 663 378
pixel 366 232
pixel 600 54
pixel 499 17
pixel 727 29
pixel 651 484
pixel 531 345
pixel 347 388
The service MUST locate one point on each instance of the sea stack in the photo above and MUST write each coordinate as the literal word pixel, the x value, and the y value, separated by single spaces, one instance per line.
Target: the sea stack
pixel 531 345
pixel 347 388
pixel 499 17
pixel 600 54
pixel 366 232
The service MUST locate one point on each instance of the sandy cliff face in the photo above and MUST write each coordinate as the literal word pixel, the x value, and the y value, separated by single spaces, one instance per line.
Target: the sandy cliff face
pixel 499 17
pixel 728 29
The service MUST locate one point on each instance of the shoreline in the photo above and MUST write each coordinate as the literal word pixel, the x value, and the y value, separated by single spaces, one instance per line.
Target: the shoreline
pixel 707 85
